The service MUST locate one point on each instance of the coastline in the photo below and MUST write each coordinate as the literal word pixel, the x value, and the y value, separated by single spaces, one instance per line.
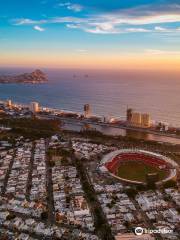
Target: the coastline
pixel 77 124
pixel 72 123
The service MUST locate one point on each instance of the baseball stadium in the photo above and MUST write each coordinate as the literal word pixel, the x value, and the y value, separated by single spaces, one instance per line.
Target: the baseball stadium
pixel 134 166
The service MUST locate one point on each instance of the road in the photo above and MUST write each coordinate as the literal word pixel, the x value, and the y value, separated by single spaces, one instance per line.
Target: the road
pixel 146 220
pixel 49 189
pixel 3 191
pixel 102 227
pixel 29 179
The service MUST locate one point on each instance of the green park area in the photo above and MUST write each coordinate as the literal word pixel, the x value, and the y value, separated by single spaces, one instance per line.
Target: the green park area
pixel 32 128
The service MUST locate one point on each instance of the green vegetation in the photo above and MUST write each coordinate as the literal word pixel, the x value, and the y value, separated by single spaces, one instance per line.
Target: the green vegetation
pixel 170 184
pixel 44 215
pixel 11 216
pixel 31 127
pixel 59 156
pixel 131 192
pixel 63 152
pixel 137 171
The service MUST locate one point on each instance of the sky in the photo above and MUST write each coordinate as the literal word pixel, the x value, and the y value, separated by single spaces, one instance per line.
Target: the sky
pixel 115 34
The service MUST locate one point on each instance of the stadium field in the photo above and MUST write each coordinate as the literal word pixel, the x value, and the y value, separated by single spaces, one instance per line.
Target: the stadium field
pixel 136 171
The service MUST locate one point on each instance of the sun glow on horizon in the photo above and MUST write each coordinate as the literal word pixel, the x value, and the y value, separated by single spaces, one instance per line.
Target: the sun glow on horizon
pixel 97 61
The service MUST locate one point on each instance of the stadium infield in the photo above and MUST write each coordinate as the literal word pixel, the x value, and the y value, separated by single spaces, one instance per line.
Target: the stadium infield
pixel 136 171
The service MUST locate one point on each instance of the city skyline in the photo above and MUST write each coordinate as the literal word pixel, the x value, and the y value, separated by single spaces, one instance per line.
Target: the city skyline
pixel 141 34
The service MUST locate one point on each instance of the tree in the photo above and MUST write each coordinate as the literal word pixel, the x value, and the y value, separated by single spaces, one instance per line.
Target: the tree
pixel 44 215
pixel 169 184
pixel 51 163
pixel 131 192
pixel 10 216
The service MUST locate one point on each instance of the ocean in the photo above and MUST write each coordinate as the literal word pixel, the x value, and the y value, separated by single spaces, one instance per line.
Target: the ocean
pixel 108 92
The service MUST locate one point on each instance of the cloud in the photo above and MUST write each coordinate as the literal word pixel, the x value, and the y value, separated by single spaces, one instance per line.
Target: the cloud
pixel 136 30
pixel 75 7
pixel 133 20
pixel 101 28
pixel 83 51
pixel 105 28
pixel 161 52
pixel 106 19
pixel 73 26
pixel 142 20
pixel 27 21
pixel 40 29
pixel 160 29
pixel 99 25
pixel 71 6
pixel 111 30
pixel 24 21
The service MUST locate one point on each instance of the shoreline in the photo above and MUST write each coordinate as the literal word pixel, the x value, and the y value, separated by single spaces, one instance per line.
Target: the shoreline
pixel 143 130
pixel 150 134
pixel 77 123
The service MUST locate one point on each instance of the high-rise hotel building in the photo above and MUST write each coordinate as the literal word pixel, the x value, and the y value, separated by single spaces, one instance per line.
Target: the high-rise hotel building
pixel 87 110
pixel 34 107
pixel 138 119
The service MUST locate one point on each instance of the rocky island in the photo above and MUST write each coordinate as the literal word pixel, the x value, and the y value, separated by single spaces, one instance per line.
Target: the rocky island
pixel 35 77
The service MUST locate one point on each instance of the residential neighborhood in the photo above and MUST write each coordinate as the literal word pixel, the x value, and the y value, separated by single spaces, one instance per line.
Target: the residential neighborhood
pixel 55 187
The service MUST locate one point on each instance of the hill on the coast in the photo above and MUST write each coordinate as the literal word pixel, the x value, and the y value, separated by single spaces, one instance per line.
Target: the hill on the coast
pixel 36 76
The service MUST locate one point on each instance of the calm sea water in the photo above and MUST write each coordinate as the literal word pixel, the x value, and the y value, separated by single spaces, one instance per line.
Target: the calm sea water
pixel 109 93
